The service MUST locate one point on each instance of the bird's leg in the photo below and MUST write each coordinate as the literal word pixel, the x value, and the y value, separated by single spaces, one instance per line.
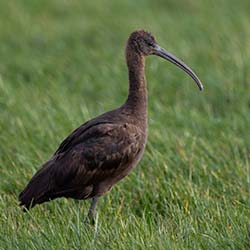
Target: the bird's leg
pixel 92 210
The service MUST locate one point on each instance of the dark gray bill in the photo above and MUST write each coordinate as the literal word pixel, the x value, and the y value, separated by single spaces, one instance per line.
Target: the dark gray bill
pixel 168 56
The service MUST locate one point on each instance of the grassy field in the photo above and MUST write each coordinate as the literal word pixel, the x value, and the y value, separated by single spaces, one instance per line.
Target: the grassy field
pixel 62 63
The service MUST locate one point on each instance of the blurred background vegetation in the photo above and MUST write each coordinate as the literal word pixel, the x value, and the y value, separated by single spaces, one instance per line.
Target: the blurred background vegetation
pixel 62 63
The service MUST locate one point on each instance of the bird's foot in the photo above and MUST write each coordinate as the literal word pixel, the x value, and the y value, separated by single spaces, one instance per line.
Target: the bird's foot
pixel 91 219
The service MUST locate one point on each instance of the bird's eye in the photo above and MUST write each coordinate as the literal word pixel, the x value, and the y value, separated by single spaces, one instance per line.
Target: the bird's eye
pixel 151 44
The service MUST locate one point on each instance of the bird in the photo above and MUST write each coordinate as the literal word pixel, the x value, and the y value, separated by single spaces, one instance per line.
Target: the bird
pixel 103 150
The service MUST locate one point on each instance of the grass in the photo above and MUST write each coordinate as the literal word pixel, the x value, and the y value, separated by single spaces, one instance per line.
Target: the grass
pixel 62 63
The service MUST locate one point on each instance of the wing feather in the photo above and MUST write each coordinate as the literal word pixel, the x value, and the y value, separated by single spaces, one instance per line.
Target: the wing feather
pixel 104 151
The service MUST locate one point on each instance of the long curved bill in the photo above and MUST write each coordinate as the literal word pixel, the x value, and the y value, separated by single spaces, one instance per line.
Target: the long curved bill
pixel 168 56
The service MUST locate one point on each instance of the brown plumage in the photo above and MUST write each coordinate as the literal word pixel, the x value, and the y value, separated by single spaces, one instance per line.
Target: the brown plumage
pixel 103 150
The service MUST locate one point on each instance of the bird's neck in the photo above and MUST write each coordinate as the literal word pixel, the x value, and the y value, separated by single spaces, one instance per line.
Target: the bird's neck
pixel 137 98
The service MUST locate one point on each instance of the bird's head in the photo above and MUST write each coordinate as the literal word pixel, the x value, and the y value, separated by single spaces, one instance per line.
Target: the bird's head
pixel 145 44
pixel 142 42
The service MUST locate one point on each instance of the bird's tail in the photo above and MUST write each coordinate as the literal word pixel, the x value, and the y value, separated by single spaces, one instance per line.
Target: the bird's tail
pixel 38 189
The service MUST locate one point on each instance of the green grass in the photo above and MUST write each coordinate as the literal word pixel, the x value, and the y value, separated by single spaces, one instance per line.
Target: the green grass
pixel 62 63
